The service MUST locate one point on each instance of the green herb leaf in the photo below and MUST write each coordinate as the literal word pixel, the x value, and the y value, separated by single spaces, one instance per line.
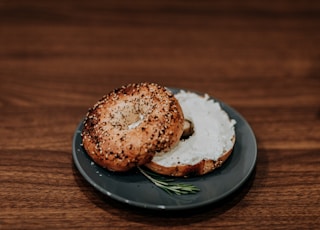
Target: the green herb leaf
pixel 168 185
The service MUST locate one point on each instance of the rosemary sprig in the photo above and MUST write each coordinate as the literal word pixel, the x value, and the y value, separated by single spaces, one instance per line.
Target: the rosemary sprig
pixel 168 185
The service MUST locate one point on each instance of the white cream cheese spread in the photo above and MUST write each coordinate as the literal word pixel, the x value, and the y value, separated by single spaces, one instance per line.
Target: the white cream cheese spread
pixel 213 132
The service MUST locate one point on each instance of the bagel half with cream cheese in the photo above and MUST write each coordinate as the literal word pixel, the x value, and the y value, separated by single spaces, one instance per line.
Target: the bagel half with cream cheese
pixel 209 145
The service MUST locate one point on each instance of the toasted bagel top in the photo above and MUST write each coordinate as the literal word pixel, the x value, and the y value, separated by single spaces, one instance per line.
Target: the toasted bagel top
pixel 130 124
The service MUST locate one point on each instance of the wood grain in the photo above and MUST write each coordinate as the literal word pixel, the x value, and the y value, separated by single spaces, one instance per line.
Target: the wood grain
pixel 57 59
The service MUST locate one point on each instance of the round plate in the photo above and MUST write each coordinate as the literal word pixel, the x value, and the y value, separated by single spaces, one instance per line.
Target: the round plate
pixel 135 189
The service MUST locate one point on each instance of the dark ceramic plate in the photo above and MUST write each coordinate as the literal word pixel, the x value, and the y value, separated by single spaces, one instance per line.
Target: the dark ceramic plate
pixel 134 189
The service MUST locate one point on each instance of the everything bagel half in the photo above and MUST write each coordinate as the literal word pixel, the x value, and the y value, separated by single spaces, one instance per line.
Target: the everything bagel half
pixel 128 126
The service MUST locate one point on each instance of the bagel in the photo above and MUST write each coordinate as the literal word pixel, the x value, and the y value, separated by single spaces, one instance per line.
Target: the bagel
pixel 126 127
pixel 208 145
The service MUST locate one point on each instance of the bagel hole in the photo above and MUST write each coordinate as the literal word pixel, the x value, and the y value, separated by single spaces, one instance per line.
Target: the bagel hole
pixel 131 117
pixel 188 129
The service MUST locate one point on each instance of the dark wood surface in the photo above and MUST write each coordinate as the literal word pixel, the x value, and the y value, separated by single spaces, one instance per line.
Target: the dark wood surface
pixel 57 58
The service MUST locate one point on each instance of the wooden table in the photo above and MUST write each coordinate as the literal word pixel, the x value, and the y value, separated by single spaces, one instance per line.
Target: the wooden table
pixel 58 59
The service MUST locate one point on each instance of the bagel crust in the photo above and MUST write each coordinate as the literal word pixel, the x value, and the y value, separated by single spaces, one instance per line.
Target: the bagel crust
pixel 185 170
pixel 129 125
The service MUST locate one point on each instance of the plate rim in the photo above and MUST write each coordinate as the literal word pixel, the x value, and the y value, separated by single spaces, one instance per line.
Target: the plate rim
pixel 171 207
